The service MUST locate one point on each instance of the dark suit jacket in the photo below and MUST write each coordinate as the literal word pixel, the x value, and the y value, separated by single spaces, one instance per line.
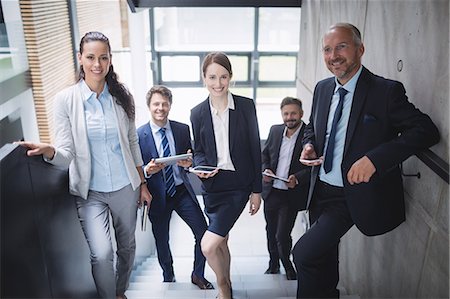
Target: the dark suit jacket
pixel 245 146
pixel 155 183
pixel 387 128
pixel 270 155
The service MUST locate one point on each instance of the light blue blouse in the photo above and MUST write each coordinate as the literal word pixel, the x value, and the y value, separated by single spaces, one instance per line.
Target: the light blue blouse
pixel 108 172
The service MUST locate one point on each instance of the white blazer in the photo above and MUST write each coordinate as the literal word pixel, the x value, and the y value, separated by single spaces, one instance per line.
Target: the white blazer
pixel 72 145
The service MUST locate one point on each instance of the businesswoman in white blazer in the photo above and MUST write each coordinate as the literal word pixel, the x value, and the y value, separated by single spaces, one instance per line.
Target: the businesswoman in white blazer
pixel 95 136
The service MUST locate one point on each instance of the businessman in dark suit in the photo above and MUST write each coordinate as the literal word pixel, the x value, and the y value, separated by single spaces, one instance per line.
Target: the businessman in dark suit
pixel 361 135
pixel 283 200
pixel 169 184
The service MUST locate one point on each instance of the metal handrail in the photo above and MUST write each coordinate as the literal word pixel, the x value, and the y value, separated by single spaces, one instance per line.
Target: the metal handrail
pixel 435 163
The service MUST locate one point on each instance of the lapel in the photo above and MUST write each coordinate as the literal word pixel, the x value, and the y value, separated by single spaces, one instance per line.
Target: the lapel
pixel 176 136
pixel 209 130
pixel 149 142
pixel 322 110
pixel 233 125
pixel 278 138
pixel 298 148
pixel 359 98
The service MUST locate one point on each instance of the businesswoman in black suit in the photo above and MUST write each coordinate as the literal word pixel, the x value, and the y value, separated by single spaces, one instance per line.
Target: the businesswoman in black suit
pixel 226 136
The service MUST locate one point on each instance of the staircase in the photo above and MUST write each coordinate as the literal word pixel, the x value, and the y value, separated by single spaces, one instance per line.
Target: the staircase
pixel 249 260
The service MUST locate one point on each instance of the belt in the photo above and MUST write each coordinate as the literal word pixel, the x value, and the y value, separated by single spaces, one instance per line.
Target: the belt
pixel 325 187
pixel 279 190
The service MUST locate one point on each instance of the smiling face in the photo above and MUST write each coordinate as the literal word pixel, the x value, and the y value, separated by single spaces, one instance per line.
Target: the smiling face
pixel 292 115
pixel 95 60
pixel 217 80
pixel 159 107
pixel 341 54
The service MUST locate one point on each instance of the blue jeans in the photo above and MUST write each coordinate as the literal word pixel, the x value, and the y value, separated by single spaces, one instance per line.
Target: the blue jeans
pixel 93 214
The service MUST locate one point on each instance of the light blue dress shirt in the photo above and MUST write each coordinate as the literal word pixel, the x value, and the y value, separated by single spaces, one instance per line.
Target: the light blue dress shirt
pixel 108 172
pixel 334 177
pixel 169 134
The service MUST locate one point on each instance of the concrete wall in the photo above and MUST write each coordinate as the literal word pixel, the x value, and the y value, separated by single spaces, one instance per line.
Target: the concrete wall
pixel 413 260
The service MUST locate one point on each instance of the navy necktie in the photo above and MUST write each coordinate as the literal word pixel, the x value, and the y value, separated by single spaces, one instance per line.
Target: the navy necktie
pixel 328 163
pixel 168 170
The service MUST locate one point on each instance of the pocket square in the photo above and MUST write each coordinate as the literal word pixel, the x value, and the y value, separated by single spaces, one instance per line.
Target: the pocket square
pixel 368 118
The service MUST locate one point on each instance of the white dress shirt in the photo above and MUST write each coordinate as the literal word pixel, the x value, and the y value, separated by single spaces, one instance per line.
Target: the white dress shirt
pixel 285 157
pixel 221 125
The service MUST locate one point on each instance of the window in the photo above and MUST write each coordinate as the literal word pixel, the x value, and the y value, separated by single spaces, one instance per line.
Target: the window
pixel 13 55
pixel 262 44
pixel 204 29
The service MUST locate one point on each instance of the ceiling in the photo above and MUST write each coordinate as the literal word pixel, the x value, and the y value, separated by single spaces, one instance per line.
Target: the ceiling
pixel 136 5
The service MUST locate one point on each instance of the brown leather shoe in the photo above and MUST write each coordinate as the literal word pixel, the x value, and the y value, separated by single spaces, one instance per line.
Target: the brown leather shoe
pixel 201 282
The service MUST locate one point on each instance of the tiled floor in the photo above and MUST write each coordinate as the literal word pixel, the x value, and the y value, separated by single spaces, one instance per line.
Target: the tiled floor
pixel 249 260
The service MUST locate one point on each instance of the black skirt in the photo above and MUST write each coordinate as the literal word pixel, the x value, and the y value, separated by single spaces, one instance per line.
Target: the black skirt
pixel 224 208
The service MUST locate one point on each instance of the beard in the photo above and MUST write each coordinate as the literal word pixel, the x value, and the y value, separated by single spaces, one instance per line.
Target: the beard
pixel 292 123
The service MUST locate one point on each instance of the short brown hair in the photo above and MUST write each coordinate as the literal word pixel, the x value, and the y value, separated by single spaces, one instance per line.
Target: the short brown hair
pixel 291 100
pixel 162 90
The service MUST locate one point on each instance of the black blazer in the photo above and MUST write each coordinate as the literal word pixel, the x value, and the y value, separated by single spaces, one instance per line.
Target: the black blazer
pixel 155 183
pixel 244 142
pixel 270 154
pixel 387 128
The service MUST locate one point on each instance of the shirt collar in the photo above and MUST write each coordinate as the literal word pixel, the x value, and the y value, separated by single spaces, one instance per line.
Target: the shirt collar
pixel 350 86
pixel 88 93
pixel 155 128
pixel 230 105
pixel 295 133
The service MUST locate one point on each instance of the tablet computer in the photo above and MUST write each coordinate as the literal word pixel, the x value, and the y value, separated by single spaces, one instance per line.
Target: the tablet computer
pixel 275 177
pixel 202 169
pixel 173 159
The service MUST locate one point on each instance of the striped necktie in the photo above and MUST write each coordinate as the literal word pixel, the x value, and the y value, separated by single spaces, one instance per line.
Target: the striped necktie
pixel 168 170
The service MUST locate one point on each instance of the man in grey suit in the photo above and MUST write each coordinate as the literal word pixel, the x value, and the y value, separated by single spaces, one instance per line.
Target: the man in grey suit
pixel 283 199
pixel 361 128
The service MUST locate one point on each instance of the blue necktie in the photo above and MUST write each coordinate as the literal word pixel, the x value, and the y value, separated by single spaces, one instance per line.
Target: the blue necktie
pixel 328 163
pixel 168 170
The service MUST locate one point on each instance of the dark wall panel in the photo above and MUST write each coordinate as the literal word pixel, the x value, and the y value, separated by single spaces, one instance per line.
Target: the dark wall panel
pixel 43 250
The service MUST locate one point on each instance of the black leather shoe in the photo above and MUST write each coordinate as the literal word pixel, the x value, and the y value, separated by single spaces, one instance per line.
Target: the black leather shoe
pixel 169 279
pixel 272 270
pixel 201 282
pixel 291 274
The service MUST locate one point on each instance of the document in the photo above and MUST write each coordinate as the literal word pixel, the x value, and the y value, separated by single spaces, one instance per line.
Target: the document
pixel 144 217
pixel 173 159
pixel 275 177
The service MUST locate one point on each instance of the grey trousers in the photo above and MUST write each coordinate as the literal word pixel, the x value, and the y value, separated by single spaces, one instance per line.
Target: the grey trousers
pixel 94 214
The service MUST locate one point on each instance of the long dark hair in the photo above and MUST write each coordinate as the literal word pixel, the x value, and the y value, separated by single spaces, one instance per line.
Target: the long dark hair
pixel 116 89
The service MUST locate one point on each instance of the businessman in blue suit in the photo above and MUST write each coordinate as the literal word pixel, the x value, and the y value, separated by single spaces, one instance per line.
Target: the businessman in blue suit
pixel 169 184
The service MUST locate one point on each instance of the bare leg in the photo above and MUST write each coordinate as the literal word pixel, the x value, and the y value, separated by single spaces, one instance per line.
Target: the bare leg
pixel 227 259
pixel 215 249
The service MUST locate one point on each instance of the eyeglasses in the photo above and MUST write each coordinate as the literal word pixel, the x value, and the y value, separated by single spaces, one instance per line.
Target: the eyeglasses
pixel 339 48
